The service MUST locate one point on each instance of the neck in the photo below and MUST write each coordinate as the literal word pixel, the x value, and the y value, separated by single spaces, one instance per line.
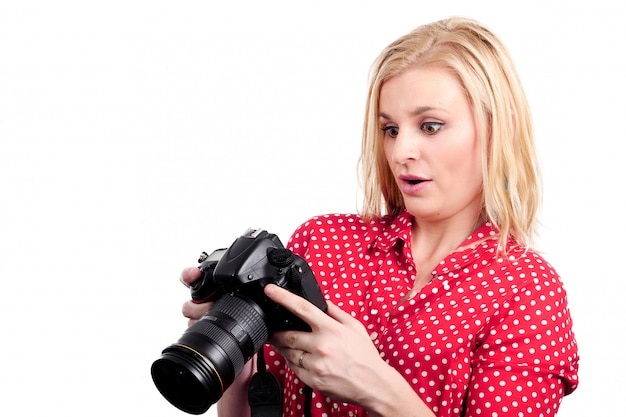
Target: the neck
pixel 433 241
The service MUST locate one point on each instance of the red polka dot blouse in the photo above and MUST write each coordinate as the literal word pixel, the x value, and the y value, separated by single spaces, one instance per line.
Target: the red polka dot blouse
pixel 488 336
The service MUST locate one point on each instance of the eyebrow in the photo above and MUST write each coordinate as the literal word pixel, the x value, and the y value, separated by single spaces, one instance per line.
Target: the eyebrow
pixel 419 110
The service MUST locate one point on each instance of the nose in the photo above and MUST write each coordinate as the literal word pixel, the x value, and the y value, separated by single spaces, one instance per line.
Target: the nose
pixel 405 148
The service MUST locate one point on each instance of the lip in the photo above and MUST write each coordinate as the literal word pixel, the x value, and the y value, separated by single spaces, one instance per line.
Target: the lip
pixel 412 184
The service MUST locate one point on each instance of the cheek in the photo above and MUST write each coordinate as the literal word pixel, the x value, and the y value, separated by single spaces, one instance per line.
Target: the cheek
pixel 464 163
pixel 388 151
pixel 473 168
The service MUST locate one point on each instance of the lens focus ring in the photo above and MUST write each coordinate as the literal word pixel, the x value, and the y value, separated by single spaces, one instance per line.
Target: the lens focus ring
pixel 235 325
pixel 247 315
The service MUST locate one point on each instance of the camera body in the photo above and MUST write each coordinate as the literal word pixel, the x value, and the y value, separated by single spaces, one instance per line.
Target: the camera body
pixel 255 259
pixel 194 372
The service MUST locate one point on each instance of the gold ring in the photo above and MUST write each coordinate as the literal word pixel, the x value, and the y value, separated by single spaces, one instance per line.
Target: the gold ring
pixel 300 359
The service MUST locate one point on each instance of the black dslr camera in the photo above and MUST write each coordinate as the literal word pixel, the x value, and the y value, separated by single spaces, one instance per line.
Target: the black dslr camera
pixel 193 373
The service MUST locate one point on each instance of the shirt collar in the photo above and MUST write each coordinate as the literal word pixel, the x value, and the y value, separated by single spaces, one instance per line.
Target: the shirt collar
pixel 388 230
pixel 483 240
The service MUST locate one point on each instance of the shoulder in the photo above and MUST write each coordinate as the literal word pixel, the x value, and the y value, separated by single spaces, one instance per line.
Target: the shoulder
pixel 520 273
pixel 524 276
pixel 527 263
pixel 337 229
pixel 327 222
pixel 327 227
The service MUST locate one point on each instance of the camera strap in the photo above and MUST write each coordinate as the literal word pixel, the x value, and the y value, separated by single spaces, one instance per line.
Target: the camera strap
pixel 264 392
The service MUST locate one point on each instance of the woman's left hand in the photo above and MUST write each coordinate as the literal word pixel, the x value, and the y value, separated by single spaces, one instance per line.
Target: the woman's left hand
pixel 336 358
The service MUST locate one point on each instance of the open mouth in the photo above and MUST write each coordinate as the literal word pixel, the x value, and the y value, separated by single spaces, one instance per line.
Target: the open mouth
pixel 412 180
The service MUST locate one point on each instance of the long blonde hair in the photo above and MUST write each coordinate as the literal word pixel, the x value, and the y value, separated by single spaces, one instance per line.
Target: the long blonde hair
pixel 511 193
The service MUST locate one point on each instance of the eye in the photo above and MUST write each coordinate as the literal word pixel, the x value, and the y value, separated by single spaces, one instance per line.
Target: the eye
pixel 430 128
pixel 390 131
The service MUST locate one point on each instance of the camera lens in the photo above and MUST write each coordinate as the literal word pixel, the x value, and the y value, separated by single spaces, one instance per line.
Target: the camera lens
pixel 193 373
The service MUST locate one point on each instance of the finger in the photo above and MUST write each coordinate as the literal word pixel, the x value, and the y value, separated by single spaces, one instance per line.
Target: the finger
pixel 299 306
pixel 338 314
pixel 189 275
pixel 300 360
pixel 195 311
pixel 292 339
pixel 294 357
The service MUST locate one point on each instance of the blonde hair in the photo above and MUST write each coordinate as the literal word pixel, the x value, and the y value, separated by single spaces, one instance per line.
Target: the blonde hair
pixel 483 65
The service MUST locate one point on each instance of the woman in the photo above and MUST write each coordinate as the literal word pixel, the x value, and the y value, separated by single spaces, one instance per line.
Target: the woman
pixel 437 304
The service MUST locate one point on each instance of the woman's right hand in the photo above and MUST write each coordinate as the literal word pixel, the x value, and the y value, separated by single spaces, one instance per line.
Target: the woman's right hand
pixel 234 400
pixel 192 310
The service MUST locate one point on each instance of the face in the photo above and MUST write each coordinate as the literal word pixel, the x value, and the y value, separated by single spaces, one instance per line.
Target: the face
pixel 431 145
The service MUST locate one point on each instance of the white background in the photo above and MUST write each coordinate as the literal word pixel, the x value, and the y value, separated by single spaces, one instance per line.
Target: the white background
pixel 135 134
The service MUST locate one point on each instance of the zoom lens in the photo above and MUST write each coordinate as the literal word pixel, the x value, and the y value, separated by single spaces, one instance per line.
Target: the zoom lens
pixel 193 373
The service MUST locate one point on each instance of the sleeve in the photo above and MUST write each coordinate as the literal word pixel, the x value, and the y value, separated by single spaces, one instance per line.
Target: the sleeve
pixel 527 357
